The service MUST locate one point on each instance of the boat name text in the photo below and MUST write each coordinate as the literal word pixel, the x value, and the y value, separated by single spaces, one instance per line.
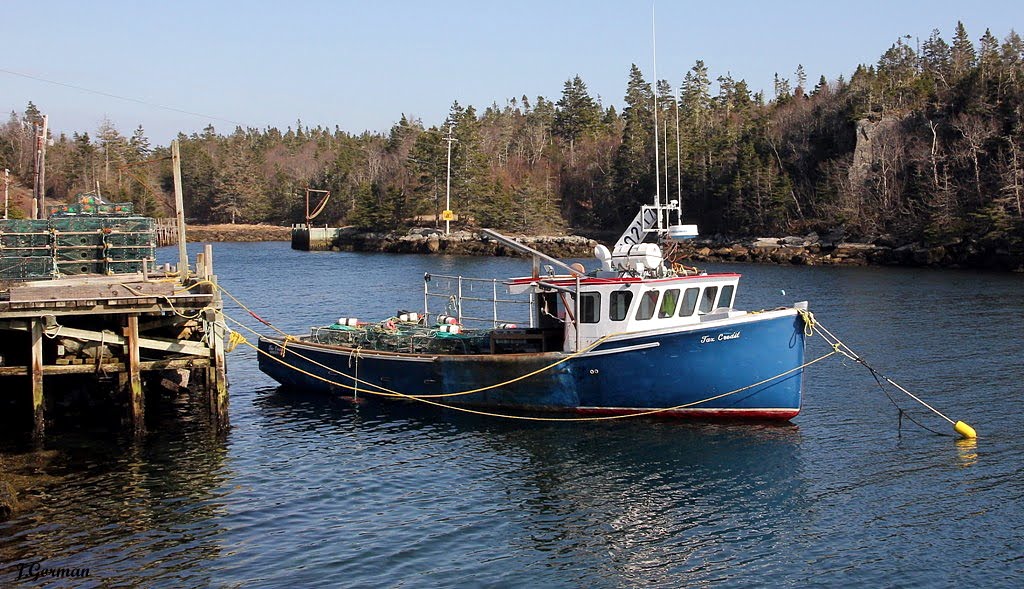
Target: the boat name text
pixel 710 339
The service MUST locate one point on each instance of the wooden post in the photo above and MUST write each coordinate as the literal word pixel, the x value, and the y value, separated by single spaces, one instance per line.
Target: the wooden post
pixel 179 210
pixel 216 376
pixel 208 260
pixel 136 397
pixel 36 373
pixel 201 266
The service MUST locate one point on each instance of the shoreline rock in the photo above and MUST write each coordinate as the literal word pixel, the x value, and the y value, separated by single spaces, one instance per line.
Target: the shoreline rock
pixel 812 250
pixel 239 232
pixel 420 240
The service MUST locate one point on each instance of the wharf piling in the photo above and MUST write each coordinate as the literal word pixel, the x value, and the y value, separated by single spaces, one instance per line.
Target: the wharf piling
pixel 166 230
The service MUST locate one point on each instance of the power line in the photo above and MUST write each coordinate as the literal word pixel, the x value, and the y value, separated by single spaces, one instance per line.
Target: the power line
pixel 125 98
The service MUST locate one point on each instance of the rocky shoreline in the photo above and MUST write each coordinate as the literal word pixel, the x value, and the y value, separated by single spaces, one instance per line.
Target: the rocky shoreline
pixel 808 250
pixel 239 232
pixel 815 250
pixel 422 240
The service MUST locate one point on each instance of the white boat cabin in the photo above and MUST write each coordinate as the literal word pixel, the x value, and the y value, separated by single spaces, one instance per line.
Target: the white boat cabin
pixel 626 304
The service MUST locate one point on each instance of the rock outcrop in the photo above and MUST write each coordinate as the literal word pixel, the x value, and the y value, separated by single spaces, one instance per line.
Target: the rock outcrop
pixel 421 240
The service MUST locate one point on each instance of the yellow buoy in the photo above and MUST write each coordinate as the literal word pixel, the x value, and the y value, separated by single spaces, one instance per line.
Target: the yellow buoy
pixel 965 430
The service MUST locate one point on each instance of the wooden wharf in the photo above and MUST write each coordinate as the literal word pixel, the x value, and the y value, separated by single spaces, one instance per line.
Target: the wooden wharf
pixel 82 318
pixel 137 331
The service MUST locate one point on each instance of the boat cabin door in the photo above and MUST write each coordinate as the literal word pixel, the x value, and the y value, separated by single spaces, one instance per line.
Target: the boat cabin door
pixel 548 313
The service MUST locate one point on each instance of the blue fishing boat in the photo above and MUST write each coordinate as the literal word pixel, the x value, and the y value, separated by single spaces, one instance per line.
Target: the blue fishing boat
pixel 637 333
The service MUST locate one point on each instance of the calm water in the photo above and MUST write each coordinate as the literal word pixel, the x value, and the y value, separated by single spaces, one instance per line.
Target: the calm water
pixel 307 490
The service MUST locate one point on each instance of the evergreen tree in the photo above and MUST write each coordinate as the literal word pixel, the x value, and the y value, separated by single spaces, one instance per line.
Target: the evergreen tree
pixel 139 148
pixel 801 81
pixel 936 58
pixel 576 113
pixel 429 163
pixel 32 115
pixel 634 163
pixel 238 191
pixel 961 55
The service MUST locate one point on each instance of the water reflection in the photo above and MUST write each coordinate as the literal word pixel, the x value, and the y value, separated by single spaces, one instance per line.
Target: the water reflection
pixel 129 512
pixel 637 501
pixel 967 451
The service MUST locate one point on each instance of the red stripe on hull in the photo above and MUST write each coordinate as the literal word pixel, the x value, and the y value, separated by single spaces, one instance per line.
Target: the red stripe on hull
pixel 703 414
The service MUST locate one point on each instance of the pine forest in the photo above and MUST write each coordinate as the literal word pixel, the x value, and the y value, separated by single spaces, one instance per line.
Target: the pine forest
pixel 926 146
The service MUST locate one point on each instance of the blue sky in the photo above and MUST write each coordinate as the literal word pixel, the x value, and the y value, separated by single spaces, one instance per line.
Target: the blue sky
pixel 361 65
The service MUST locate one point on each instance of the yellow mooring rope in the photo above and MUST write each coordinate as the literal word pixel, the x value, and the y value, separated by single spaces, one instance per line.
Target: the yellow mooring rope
pixel 959 427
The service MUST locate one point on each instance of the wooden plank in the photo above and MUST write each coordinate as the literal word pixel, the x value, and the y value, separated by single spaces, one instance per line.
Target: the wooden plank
pixel 109 367
pixel 173 364
pixel 62 291
pixel 80 280
pixel 90 368
pixel 149 343
pixel 6 312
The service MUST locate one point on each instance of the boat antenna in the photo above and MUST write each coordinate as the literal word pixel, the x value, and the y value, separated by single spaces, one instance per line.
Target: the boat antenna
pixel 679 173
pixel 657 166
pixel 664 136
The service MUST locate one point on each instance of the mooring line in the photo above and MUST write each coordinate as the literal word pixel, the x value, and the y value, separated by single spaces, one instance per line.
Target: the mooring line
pixel 959 427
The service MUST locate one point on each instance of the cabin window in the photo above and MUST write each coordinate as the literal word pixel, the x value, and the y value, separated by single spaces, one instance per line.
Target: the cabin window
pixel 707 302
pixel 618 306
pixel 668 303
pixel 590 307
pixel 689 302
pixel 726 299
pixel 648 302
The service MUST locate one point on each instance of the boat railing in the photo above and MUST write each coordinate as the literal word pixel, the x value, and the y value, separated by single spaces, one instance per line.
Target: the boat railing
pixel 476 300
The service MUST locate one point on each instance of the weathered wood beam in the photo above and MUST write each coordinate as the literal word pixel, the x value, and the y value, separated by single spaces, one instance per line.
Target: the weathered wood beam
pixel 36 373
pixel 136 396
pixel 185 304
pixel 149 343
pixel 109 367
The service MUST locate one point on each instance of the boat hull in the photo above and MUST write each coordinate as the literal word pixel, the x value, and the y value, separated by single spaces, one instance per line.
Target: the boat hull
pixel 743 368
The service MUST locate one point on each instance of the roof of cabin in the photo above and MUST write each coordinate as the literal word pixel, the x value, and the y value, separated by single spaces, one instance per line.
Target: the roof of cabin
pixel 566 280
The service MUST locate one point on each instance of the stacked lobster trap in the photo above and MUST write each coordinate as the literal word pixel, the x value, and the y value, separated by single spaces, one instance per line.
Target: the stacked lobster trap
pixel 72 243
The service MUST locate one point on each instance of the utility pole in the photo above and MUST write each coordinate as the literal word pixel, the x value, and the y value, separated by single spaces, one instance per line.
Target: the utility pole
pixel 39 188
pixel 7 185
pixel 447 215
pixel 179 210
pixel 34 213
